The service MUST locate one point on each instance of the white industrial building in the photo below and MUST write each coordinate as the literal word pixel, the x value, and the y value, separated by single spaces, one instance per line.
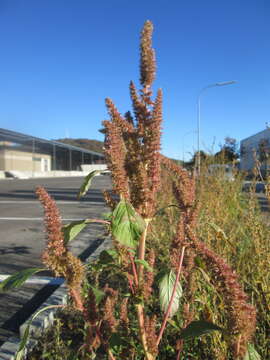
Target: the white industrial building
pixel 255 147
pixel 26 155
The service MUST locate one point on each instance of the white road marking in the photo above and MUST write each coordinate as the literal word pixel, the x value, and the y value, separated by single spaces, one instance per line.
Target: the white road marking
pixel 60 202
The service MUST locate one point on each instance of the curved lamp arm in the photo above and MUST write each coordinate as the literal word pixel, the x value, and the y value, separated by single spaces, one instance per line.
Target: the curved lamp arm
pixel 223 83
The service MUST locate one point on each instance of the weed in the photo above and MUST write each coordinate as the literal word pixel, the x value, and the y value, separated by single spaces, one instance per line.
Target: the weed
pixel 165 284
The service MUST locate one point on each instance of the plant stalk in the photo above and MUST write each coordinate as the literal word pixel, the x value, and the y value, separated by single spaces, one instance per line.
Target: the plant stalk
pixel 178 357
pixel 89 221
pixel 141 251
pixel 140 313
pixel 238 345
pixel 76 296
pixel 140 316
pixel 172 297
pixel 134 270
pixel 111 357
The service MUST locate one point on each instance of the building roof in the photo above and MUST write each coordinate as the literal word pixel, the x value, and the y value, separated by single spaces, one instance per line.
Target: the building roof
pixel 46 145
pixel 265 131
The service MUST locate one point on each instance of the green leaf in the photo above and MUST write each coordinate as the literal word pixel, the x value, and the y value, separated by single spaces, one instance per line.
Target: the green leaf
pixel 87 183
pixel 251 353
pixel 159 276
pixel 173 323
pixel 166 285
pixel 107 216
pixel 116 340
pixel 127 225
pixel 107 256
pixel 20 354
pixel 99 295
pixel 71 230
pixel 144 263
pixel 18 279
pixel 198 328
pixel 199 262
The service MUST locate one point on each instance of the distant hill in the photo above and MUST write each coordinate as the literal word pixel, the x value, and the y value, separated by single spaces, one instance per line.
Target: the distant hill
pixel 94 145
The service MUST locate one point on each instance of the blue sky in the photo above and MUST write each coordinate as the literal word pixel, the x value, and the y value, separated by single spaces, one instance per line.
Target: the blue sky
pixel 61 58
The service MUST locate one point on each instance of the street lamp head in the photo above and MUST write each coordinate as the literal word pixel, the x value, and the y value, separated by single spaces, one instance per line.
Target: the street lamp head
pixel 226 83
pixel 199 116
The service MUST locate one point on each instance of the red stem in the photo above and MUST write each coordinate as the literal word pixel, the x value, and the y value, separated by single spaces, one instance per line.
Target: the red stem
pixel 131 286
pixel 76 296
pixel 180 348
pixel 134 269
pixel 172 297
pixel 97 221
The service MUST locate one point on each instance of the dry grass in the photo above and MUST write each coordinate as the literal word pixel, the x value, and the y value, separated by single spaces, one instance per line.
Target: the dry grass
pixel 232 224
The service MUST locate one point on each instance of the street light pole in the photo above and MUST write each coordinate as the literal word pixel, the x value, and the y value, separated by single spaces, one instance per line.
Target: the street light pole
pixel 224 83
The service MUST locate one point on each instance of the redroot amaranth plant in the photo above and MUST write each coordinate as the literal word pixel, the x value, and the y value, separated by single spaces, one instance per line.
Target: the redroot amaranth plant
pixel 132 151
pixel 57 257
pixel 132 146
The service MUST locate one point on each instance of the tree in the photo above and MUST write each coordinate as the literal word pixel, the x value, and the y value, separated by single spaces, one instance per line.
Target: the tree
pixel 203 156
pixel 229 151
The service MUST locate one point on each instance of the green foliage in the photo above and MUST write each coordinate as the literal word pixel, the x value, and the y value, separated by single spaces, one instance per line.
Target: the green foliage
pixel 62 341
pixel 107 216
pixel 116 341
pixel 20 353
pixel 99 295
pixel 127 226
pixel 198 328
pixel 252 353
pixel 203 156
pixel 87 183
pixel 166 285
pixel 107 256
pixel 18 279
pixel 229 151
pixel 71 230
pixel 144 264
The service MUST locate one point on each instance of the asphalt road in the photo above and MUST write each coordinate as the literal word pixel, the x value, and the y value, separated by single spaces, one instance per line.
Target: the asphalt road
pixel 261 196
pixel 22 236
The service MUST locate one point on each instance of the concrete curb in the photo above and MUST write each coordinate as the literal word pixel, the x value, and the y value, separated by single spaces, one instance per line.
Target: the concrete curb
pixel 9 349
pixel 86 169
